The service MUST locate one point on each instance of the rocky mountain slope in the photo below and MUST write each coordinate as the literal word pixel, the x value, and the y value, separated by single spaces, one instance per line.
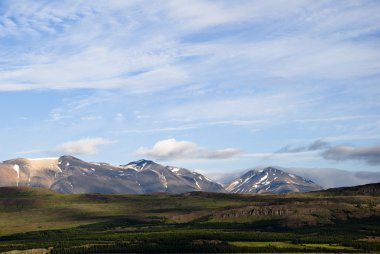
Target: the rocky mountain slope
pixel 270 179
pixel 68 174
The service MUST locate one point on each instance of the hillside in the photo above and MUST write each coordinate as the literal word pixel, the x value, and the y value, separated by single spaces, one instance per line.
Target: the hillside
pixel 212 222
pixel 367 189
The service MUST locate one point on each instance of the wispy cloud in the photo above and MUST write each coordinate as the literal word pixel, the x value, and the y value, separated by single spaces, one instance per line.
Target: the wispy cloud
pixel 166 129
pixel 118 117
pixel 34 151
pixel 245 108
pixel 171 149
pixel 315 146
pixel 283 157
pixel 337 118
pixel 114 47
pixel 91 118
pixel 195 126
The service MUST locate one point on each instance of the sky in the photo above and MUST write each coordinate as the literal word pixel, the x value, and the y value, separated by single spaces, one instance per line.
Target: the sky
pixel 217 86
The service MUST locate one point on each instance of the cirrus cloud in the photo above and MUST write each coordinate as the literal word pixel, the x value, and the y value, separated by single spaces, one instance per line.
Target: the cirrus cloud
pixel 171 149
pixel 85 146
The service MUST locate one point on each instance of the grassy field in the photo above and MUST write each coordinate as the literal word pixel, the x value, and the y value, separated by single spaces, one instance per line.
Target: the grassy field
pixel 289 245
pixel 191 222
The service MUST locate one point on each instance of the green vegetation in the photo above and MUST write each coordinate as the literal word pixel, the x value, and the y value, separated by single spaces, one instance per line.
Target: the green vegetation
pixel 289 245
pixel 329 246
pixel 192 222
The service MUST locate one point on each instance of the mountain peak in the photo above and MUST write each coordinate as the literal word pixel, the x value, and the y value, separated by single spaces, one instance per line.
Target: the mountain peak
pixel 267 169
pixel 270 179
pixel 140 164
pixel 143 161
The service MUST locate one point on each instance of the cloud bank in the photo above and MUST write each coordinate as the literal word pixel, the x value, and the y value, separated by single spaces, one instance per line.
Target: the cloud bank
pixel 332 178
pixel 86 146
pixel 171 149
pixel 368 154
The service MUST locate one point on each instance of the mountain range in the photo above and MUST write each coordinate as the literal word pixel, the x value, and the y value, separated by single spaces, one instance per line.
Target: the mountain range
pixel 67 174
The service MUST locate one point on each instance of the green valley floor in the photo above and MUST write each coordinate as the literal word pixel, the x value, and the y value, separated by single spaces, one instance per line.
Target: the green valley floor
pixel 332 221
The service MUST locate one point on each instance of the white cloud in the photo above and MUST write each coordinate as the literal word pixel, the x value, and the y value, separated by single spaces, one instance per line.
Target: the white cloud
pixel 119 117
pixel 85 146
pixel 57 115
pixel 171 149
pixel 91 118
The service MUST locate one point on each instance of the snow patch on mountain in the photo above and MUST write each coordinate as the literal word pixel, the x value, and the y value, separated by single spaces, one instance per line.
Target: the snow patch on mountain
pixel 174 170
pixel 17 169
pixel 44 159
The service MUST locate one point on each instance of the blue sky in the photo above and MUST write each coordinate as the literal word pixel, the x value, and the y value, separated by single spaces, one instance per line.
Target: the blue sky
pixel 216 86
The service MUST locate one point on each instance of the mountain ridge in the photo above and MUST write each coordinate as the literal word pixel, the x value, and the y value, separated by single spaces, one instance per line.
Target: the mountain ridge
pixel 68 174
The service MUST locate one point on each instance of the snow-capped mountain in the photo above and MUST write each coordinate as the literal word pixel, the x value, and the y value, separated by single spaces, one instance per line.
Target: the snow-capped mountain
pixel 68 174
pixel 272 180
